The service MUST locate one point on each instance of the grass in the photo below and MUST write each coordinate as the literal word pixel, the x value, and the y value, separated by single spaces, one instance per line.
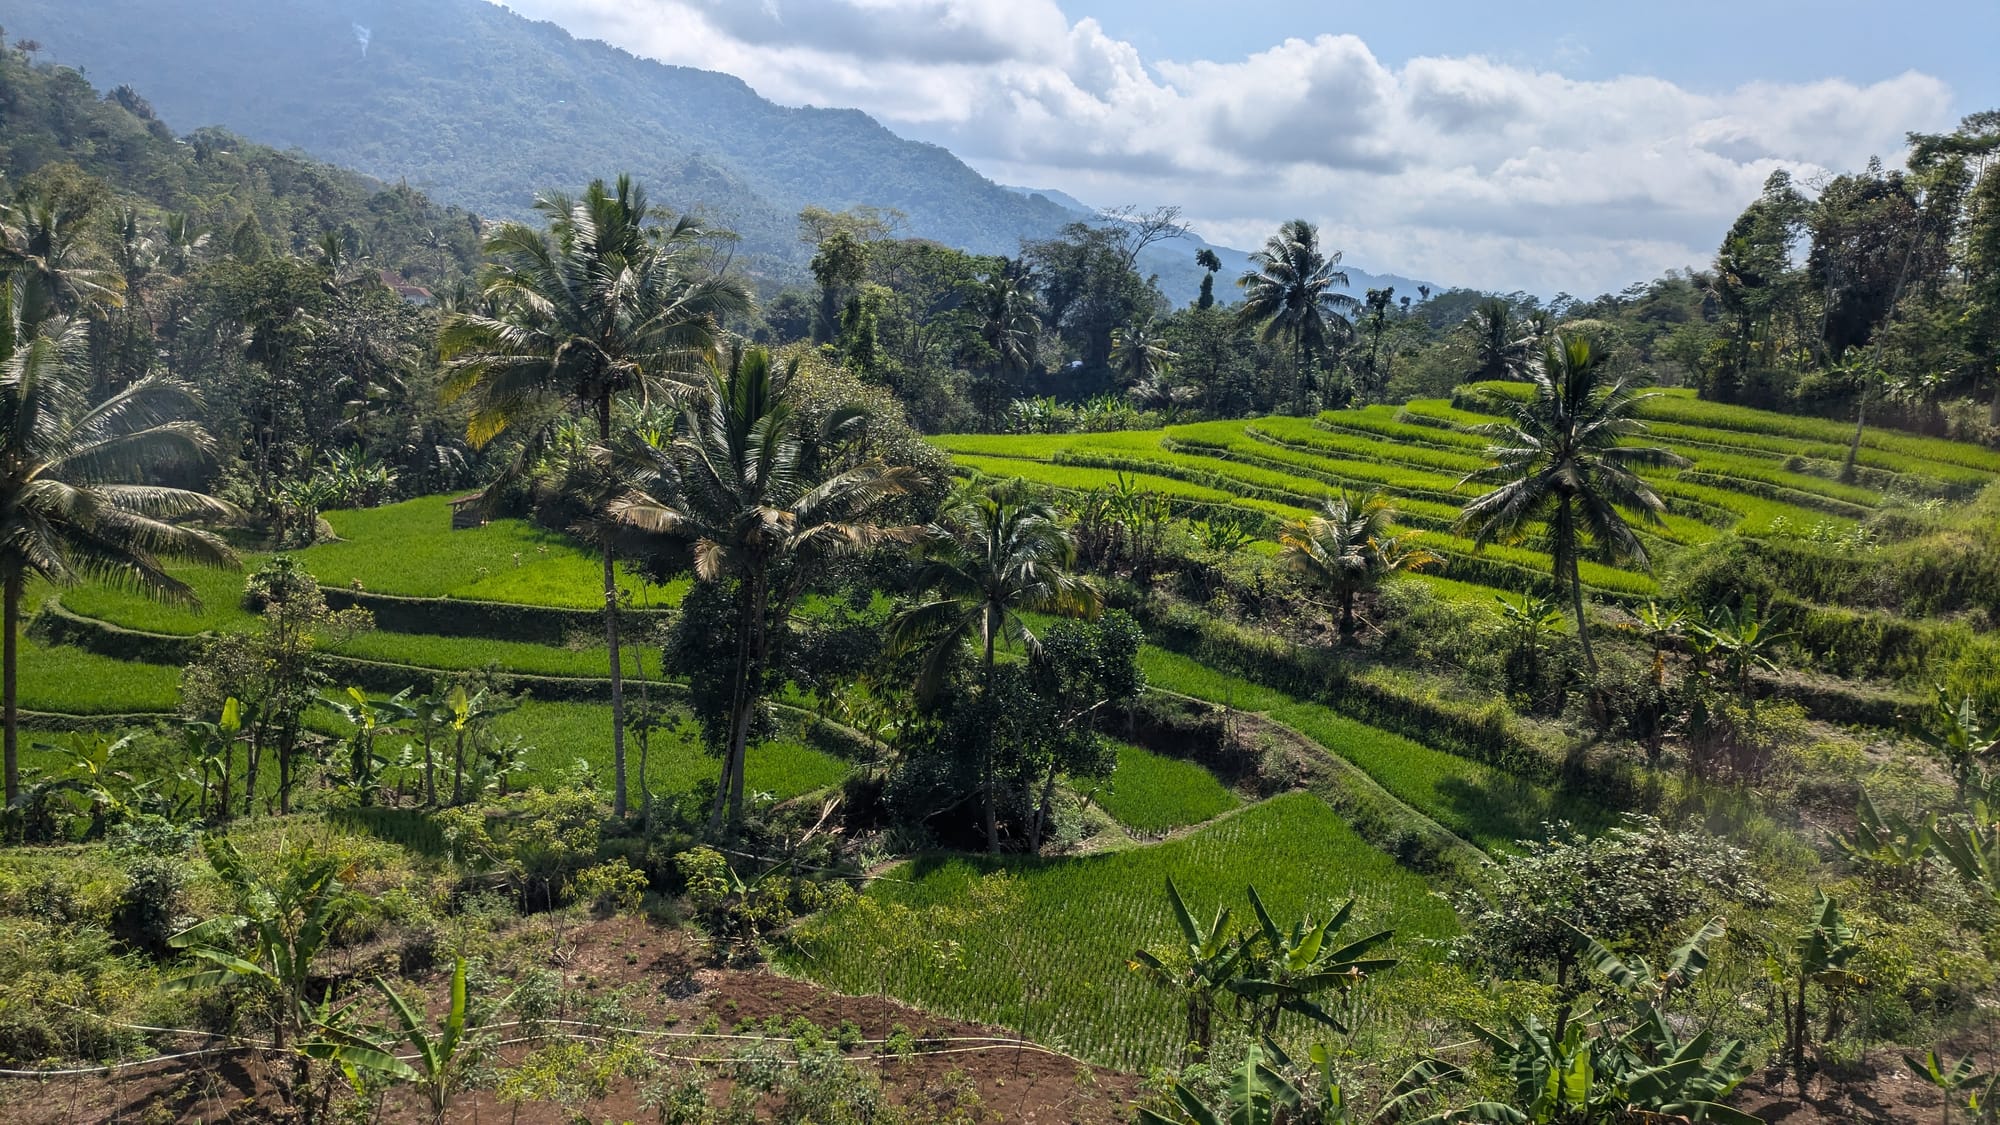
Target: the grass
pixel 470 654
pixel 70 681
pixel 1149 792
pixel 505 561
pixel 563 733
pixel 1042 946
pixel 1488 807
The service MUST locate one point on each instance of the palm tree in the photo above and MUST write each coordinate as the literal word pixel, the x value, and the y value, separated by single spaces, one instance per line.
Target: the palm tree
pixel 64 512
pixel 1210 264
pixel 45 243
pixel 1561 460
pixel 1138 353
pixel 993 554
pixel 1294 294
pixel 734 484
pixel 1348 549
pixel 1501 345
pixel 602 304
pixel 1010 324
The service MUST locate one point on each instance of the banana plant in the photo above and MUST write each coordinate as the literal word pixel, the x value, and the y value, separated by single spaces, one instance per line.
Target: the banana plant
pixel 1257 1094
pixel 1284 970
pixel 1951 1080
pixel 370 720
pixel 1953 729
pixel 443 1056
pixel 1200 969
pixel 1744 641
pixel 1889 842
pixel 1972 847
pixel 281 924
pixel 1821 953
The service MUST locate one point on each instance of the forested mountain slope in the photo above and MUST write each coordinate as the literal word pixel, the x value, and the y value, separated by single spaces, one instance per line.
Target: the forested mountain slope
pixel 480 107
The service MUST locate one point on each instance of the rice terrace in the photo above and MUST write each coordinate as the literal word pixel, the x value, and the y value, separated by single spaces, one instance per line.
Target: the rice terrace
pixel 574 659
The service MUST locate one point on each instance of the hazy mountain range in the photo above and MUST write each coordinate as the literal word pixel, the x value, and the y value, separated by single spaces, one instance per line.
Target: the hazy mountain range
pixel 482 108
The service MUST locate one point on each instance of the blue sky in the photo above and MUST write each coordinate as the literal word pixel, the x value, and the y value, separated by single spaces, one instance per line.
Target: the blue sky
pixel 1575 147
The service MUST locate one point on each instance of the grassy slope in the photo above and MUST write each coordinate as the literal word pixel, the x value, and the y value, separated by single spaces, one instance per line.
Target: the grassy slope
pixel 1152 793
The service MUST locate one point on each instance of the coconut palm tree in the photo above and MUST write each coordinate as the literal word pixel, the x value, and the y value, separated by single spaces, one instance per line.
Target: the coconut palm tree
pixel 1294 293
pixel 1501 345
pixel 734 486
pixel 603 304
pixel 1347 549
pixel 65 512
pixel 1138 354
pixel 1010 324
pixel 993 554
pixel 1560 459
pixel 45 243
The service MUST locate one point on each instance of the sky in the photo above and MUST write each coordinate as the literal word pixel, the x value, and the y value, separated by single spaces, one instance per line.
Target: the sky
pixel 1553 147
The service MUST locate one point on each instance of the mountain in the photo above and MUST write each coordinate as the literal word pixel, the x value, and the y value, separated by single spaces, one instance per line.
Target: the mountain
pixel 479 107
pixel 482 108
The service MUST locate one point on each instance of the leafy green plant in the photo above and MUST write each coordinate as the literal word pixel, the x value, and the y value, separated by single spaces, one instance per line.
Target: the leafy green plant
pixel 1199 969
pixel 1821 953
pixel 1286 970
pixel 443 1056
pixel 1952 1080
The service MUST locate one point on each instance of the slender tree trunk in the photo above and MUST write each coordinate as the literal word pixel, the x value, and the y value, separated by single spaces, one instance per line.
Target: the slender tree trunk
pixel 458 770
pixel 1566 542
pixel 253 756
pixel 1042 810
pixel 1346 616
pixel 618 802
pixel 9 685
pixel 617 683
pixel 752 694
pixel 1847 467
pixel 430 771
pixel 986 766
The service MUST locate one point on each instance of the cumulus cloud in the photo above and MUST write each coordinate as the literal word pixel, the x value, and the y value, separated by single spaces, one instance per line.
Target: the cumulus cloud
pixel 1462 169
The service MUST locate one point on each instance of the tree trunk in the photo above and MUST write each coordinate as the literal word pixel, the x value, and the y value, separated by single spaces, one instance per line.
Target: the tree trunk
pixel 253 755
pixel 1566 542
pixel 458 770
pixel 430 770
pixel 1042 811
pixel 1847 467
pixel 10 687
pixel 617 684
pixel 739 711
pixel 986 766
pixel 1346 616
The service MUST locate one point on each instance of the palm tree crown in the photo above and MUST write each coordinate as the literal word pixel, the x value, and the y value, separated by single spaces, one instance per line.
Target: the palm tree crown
pixel 733 485
pixel 1502 346
pixel 604 302
pixel 1348 549
pixel 65 512
pixel 1139 354
pixel 1561 458
pixel 1294 292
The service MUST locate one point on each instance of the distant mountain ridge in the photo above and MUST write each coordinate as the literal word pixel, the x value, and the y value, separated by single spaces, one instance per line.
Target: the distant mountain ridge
pixel 480 107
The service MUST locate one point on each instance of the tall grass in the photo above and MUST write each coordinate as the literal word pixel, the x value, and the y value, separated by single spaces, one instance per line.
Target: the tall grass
pixel 1151 793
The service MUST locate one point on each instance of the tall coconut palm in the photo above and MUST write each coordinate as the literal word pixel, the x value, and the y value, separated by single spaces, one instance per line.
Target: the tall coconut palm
pixel 1560 460
pixel 602 304
pixel 733 485
pixel 1294 292
pixel 1502 346
pixel 1009 323
pixel 992 554
pixel 65 513
pixel 1138 353
pixel 45 243
pixel 1347 550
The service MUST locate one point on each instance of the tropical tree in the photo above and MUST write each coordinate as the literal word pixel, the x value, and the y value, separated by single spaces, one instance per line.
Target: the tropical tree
pixel 1502 347
pixel 1210 265
pixel 1346 550
pixel 602 304
pixel 1200 967
pixel 1294 292
pixel 1561 459
pixel 992 555
pixel 1010 323
pixel 45 241
pixel 735 490
pixel 66 512
pixel 1138 354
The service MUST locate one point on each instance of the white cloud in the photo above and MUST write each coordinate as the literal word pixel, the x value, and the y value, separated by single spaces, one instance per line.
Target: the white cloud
pixel 1463 169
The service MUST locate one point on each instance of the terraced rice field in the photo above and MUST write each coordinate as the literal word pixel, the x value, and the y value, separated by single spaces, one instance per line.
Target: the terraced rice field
pixel 1042 945
pixel 1751 471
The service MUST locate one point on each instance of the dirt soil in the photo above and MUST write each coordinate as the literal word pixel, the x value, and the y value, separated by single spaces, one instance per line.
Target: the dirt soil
pixel 1879 1090
pixel 666 986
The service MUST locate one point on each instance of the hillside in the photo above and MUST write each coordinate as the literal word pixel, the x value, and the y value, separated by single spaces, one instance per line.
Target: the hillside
pixel 439 80
pixel 52 116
